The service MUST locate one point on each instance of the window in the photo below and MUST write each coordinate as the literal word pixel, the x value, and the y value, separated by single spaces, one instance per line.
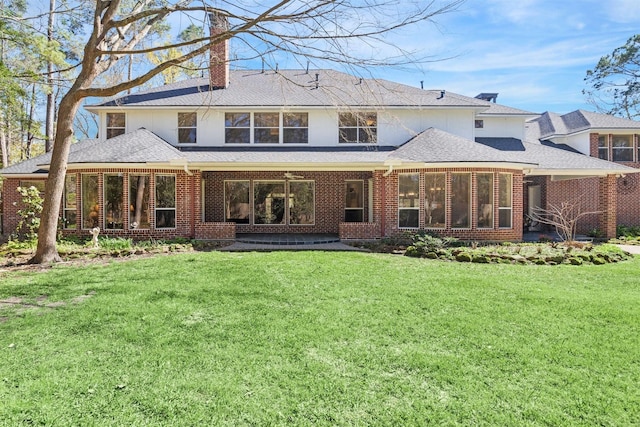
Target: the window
pixel 165 201
pixel 505 200
pixel 603 147
pixel 236 202
pixel 266 128
pixel 622 148
pixel 484 183
pixel 479 124
pixel 139 217
pixel 269 202
pixel 357 127
pixel 90 206
pixel 237 128
pixel 301 203
pixel 460 200
pixel 69 203
pixel 187 128
pixel 115 124
pixel 113 206
pixel 408 200
pixel 434 200
pixel 39 185
pixel 295 128
pixel 354 201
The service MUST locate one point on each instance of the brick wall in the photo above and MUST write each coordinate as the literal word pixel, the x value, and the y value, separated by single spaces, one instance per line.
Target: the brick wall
pixel 215 230
pixel 359 230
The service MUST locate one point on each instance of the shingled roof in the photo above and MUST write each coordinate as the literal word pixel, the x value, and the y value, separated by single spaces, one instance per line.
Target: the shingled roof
pixel 551 124
pixel 321 88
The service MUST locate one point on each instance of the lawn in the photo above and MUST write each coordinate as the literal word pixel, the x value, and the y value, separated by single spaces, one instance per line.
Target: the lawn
pixel 313 338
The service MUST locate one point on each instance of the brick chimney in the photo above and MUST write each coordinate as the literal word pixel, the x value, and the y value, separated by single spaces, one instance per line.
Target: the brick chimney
pixel 218 53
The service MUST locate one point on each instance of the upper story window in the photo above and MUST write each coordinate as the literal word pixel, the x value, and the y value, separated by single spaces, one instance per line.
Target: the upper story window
pixel 266 128
pixel 358 127
pixel 116 124
pixel 622 148
pixel 187 128
pixel 295 128
pixel 603 147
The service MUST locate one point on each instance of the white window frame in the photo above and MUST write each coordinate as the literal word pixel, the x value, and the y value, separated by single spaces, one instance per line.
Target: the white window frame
pixel 65 208
pixel 155 202
pixel 493 198
pixel 195 128
pixel 346 208
pixel 249 198
pixel 105 176
pixel 359 127
pixel 82 196
pixel 131 204
pixel 253 128
pixel 412 208
pixel 107 127
pixel 469 200
pixel 615 149
pixel 510 207
pixel 444 204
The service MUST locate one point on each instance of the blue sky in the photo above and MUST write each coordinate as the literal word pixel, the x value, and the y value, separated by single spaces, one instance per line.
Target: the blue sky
pixel 534 53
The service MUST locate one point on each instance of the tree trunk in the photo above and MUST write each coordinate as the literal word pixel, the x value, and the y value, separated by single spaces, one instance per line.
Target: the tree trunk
pixel 46 251
pixel 49 129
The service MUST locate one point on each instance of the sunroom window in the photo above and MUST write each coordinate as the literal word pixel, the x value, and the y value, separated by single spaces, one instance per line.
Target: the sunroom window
pixel 236 202
pixel 354 201
pixel 113 206
pixel 408 200
pixel 435 199
pixel 139 217
pixel 69 203
pixel 505 200
pixel 484 183
pixel 460 200
pixel 90 206
pixel 165 201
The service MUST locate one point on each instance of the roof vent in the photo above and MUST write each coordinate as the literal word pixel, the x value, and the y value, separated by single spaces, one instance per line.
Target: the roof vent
pixel 442 93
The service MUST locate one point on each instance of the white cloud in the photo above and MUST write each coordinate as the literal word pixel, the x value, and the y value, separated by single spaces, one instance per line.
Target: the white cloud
pixel 623 11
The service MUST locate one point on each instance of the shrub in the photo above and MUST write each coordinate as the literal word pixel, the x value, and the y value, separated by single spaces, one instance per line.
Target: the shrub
pixel 30 213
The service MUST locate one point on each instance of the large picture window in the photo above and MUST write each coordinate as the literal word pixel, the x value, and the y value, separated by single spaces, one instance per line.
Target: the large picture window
pixel 505 200
pixel 408 200
pixel 622 146
pixel 358 127
pixel 139 217
pixel 460 200
pixel 165 201
pixel 113 203
pixel 266 128
pixel 69 200
pixel 301 202
pixel 237 128
pixel 269 202
pixel 90 206
pixel 187 128
pixel 354 201
pixel 236 202
pixel 116 124
pixel 484 183
pixel 435 199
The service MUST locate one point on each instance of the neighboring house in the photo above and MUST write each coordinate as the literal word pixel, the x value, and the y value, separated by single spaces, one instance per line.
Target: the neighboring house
pixel 297 151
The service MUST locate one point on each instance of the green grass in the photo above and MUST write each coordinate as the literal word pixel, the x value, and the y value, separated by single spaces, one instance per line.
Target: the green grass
pixel 311 338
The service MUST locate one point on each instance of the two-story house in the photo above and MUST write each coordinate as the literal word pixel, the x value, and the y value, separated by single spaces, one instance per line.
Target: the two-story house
pixel 320 151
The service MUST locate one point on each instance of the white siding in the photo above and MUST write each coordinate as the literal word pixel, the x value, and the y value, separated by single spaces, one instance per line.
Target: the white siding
pixel 395 126
pixel 501 127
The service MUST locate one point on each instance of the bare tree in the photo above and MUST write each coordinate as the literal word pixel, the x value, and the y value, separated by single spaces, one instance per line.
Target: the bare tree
pixel 563 217
pixel 325 30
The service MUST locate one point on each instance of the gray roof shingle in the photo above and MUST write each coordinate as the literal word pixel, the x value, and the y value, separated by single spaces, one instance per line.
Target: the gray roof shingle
pixel 551 124
pixel 293 88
